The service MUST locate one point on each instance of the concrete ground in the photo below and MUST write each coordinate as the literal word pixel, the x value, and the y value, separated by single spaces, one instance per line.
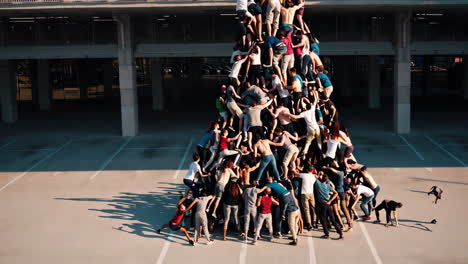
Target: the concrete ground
pixel 96 197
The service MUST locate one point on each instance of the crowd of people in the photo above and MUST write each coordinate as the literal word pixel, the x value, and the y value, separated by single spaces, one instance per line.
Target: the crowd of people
pixel 277 153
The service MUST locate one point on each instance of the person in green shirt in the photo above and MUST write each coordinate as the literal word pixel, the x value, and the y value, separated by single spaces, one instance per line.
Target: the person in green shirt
pixel 222 108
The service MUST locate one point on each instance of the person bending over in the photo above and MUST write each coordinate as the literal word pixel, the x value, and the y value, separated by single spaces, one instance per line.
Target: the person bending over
pixel 389 206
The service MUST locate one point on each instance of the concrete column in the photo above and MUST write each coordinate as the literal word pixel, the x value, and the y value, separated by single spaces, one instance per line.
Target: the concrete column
pixel 108 78
pixel 157 84
pixel 44 91
pixel 127 76
pixel 8 103
pixel 465 79
pixel 374 83
pixel 83 81
pixel 402 74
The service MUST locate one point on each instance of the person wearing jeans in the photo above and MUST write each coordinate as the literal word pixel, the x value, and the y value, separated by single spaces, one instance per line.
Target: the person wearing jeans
pixel 323 201
pixel 367 196
pixel 190 176
pixel 264 203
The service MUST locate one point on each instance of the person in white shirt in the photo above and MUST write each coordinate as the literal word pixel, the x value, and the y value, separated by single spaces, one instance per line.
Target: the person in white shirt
pixel 236 67
pixel 307 197
pixel 313 129
pixel 367 195
pixel 242 12
pixel 189 178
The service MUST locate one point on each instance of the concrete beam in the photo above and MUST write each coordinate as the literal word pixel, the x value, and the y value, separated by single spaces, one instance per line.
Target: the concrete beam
pixel 8 103
pixel 127 76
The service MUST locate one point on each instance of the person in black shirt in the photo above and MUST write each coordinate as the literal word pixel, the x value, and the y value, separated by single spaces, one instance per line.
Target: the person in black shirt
pixel 232 198
pixel 389 206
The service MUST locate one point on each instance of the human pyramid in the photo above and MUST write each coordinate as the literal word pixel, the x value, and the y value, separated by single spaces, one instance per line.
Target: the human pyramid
pixel 277 151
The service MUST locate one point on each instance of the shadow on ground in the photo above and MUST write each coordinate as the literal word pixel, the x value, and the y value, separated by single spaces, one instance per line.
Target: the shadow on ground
pixel 141 213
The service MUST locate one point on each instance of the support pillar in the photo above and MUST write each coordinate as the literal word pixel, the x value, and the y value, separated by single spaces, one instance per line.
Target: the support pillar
pixel 8 103
pixel 127 76
pixel 402 74
pixel 44 91
pixel 83 81
pixel 157 84
pixel 374 83
pixel 465 79
pixel 108 78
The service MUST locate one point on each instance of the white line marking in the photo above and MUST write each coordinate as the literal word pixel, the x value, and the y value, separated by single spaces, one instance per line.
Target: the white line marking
pixel 411 147
pixel 446 151
pixel 381 146
pixel 39 149
pixel 111 158
pixel 155 148
pixel 312 256
pixel 370 243
pixel 35 165
pixel 429 169
pixel 183 159
pixel 243 253
pixel 9 143
pixel 165 248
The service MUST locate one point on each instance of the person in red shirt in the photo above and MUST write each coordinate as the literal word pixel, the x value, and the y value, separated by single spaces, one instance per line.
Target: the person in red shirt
pixel 288 57
pixel 265 202
pixel 174 223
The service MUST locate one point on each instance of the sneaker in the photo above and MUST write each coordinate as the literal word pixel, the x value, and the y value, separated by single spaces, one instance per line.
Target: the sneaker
pixel 270 239
pixel 325 237
pixel 366 218
pixel 210 242
pixel 254 242
pixel 341 238
pixel 278 235
pixel 158 231
pixel 293 243
pixel 191 242
pixel 308 228
pixel 315 227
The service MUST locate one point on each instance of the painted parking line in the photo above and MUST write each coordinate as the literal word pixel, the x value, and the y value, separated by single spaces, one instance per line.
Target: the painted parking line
pixel 312 256
pixel 25 150
pixel 379 146
pixel 446 151
pixel 6 144
pixel 411 147
pixel 187 150
pixel 370 243
pixel 167 244
pixel 105 164
pixel 243 253
pixel 36 164
pixel 156 148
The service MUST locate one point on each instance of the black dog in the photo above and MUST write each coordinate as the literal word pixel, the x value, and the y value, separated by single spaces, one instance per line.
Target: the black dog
pixel 437 192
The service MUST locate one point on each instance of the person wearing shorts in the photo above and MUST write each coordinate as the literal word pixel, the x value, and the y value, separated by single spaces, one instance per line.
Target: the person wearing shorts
pixel 254 9
pixel 272 17
pixel 289 160
pixel 174 223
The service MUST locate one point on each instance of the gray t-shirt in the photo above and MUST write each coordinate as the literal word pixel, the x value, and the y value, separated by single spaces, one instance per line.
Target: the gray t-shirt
pixel 250 196
pixel 202 203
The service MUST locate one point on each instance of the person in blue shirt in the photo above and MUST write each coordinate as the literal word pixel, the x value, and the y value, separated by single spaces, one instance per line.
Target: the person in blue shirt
pixel 322 190
pixel 337 177
pixel 203 146
pixel 276 48
pixel 323 81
